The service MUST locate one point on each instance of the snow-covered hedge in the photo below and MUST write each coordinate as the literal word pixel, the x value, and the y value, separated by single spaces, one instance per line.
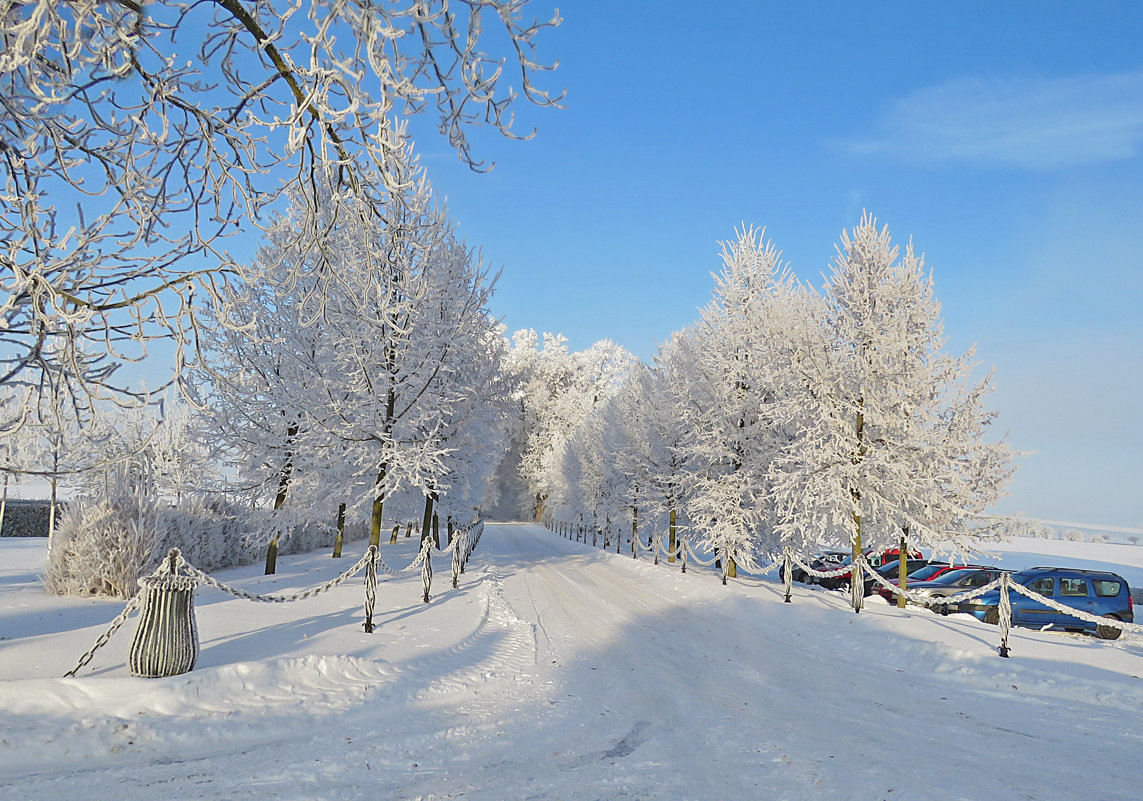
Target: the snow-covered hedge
pixel 25 519
pixel 102 546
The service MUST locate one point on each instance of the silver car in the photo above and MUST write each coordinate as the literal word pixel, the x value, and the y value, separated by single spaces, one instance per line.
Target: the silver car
pixel 954 582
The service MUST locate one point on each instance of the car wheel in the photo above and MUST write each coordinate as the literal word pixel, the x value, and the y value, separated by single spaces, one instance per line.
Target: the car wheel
pixel 992 616
pixel 1108 632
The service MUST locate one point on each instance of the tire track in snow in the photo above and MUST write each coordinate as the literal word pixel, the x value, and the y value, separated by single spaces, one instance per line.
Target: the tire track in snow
pixel 503 646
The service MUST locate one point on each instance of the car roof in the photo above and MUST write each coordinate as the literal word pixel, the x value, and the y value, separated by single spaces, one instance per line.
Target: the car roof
pixel 963 569
pixel 1071 571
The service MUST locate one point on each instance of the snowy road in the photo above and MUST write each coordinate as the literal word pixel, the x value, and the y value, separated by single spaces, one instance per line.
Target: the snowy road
pixel 560 672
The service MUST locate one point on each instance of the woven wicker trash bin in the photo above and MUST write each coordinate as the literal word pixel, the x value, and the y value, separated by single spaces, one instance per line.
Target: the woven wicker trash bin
pixel 166 641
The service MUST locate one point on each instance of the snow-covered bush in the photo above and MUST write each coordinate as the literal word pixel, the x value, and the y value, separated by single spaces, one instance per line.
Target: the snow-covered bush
pixel 102 546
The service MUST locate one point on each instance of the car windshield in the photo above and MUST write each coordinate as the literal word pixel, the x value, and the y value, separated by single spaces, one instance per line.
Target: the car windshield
pixel 923 574
pixel 955 575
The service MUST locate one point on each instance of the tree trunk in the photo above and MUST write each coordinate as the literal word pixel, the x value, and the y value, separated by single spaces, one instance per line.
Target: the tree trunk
pixel 4 502
pixel 673 540
pixel 427 520
pixel 383 470
pixel 378 510
pixel 337 543
pixel 635 530
pixel 280 499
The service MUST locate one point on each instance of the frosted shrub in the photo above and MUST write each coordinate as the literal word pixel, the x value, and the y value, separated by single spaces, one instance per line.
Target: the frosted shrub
pixel 102 546
pixel 211 532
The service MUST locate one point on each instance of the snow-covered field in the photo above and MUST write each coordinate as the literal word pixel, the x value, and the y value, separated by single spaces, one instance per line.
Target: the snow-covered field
pixel 557 671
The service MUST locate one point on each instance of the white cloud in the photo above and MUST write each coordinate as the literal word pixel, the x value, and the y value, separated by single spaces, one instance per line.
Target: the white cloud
pixel 1029 123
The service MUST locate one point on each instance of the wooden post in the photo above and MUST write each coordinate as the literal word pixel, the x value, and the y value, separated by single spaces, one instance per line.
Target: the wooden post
pixel 673 541
pixel 902 571
pixel 396 532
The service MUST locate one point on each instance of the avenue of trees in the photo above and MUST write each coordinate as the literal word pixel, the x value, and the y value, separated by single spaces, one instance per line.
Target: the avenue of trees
pixel 784 416
pixel 144 145
pixel 352 368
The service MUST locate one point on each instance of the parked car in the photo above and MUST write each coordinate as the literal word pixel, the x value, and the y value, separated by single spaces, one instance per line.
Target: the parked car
pixel 929 572
pixel 1093 591
pixel 954 582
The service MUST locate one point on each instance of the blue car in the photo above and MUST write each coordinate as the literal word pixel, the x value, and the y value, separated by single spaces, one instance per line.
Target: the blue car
pixel 1092 591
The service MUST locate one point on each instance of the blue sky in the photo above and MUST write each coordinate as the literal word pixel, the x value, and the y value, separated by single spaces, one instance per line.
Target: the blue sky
pixel 1005 138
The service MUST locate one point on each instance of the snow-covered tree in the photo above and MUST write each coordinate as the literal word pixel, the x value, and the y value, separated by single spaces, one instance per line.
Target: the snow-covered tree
pixel 543 373
pixel 891 436
pixel 138 137
pixel 558 391
pixel 357 347
pixel 740 352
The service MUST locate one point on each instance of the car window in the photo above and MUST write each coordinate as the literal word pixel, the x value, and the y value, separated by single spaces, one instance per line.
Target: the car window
pixel 923 573
pixel 955 576
pixel 1042 585
pixel 1074 587
pixel 1105 588
pixel 979 580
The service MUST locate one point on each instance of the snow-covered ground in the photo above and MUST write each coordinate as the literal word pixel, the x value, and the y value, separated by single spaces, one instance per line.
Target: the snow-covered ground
pixel 557 671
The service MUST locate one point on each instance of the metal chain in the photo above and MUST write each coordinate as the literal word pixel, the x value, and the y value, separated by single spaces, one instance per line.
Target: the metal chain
pixel 369 561
pixel 278 599
pixel 841 571
pixel 412 567
pixel 698 561
pixel 105 637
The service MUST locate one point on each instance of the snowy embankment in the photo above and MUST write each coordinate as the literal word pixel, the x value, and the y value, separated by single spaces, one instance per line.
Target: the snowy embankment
pixel 557 671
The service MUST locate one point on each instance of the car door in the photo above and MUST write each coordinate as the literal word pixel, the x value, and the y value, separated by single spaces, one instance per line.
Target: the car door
pixel 1027 612
pixel 1074 592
